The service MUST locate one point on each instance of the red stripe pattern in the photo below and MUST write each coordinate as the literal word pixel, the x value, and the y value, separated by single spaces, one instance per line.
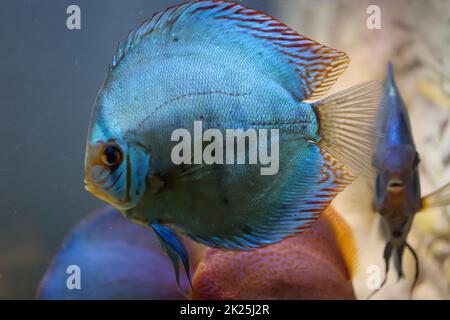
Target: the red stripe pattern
pixel 316 65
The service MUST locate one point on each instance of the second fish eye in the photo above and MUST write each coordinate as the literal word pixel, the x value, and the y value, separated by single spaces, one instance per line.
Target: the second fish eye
pixel 417 159
pixel 111 156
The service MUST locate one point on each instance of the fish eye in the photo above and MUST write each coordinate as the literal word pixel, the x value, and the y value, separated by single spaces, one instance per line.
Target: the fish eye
pixel 112 155
pixel 417 159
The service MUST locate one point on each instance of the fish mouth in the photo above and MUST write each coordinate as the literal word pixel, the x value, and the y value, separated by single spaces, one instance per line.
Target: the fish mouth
pixel 95 191
pixel 87 185
pixel 395 186
pixel 90 188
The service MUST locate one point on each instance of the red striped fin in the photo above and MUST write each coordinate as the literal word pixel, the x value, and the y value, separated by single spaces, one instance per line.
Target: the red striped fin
pixel 306 68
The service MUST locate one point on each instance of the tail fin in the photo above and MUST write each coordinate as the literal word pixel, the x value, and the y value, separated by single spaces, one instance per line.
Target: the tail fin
pixel 348 122
pixel 440 197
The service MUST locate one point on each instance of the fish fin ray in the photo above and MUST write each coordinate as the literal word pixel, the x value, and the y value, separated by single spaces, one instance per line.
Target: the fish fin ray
pixel 173 248
pixel 308 68
pixel 438 198
pixel 347 122
pixel 136 36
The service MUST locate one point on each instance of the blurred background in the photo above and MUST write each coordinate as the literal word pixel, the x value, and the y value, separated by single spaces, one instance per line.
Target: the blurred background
pixel 51 75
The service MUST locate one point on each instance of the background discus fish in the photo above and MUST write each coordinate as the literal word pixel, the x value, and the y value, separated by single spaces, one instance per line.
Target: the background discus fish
pixel 230 67
pixel 132 264
pixel 134 267
pixel 397 182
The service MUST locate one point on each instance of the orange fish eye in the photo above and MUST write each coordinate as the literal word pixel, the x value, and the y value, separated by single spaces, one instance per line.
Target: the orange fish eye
pixel 112 155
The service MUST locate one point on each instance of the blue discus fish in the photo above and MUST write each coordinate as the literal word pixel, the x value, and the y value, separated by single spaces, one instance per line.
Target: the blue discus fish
pixel 397 184
pixel 230 67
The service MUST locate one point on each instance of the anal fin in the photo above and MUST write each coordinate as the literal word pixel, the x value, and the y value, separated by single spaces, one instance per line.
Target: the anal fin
pixel 334 177
pixel 307 191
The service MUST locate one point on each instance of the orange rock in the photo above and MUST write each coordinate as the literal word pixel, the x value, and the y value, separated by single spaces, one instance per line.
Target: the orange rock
pixel 316 264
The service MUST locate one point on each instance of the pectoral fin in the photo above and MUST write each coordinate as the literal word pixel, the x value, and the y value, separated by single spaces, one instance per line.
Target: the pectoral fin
pixel 438 198
pixel 174 249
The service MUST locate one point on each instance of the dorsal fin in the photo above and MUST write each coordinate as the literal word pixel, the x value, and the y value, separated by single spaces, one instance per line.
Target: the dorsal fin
pixel 306 68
